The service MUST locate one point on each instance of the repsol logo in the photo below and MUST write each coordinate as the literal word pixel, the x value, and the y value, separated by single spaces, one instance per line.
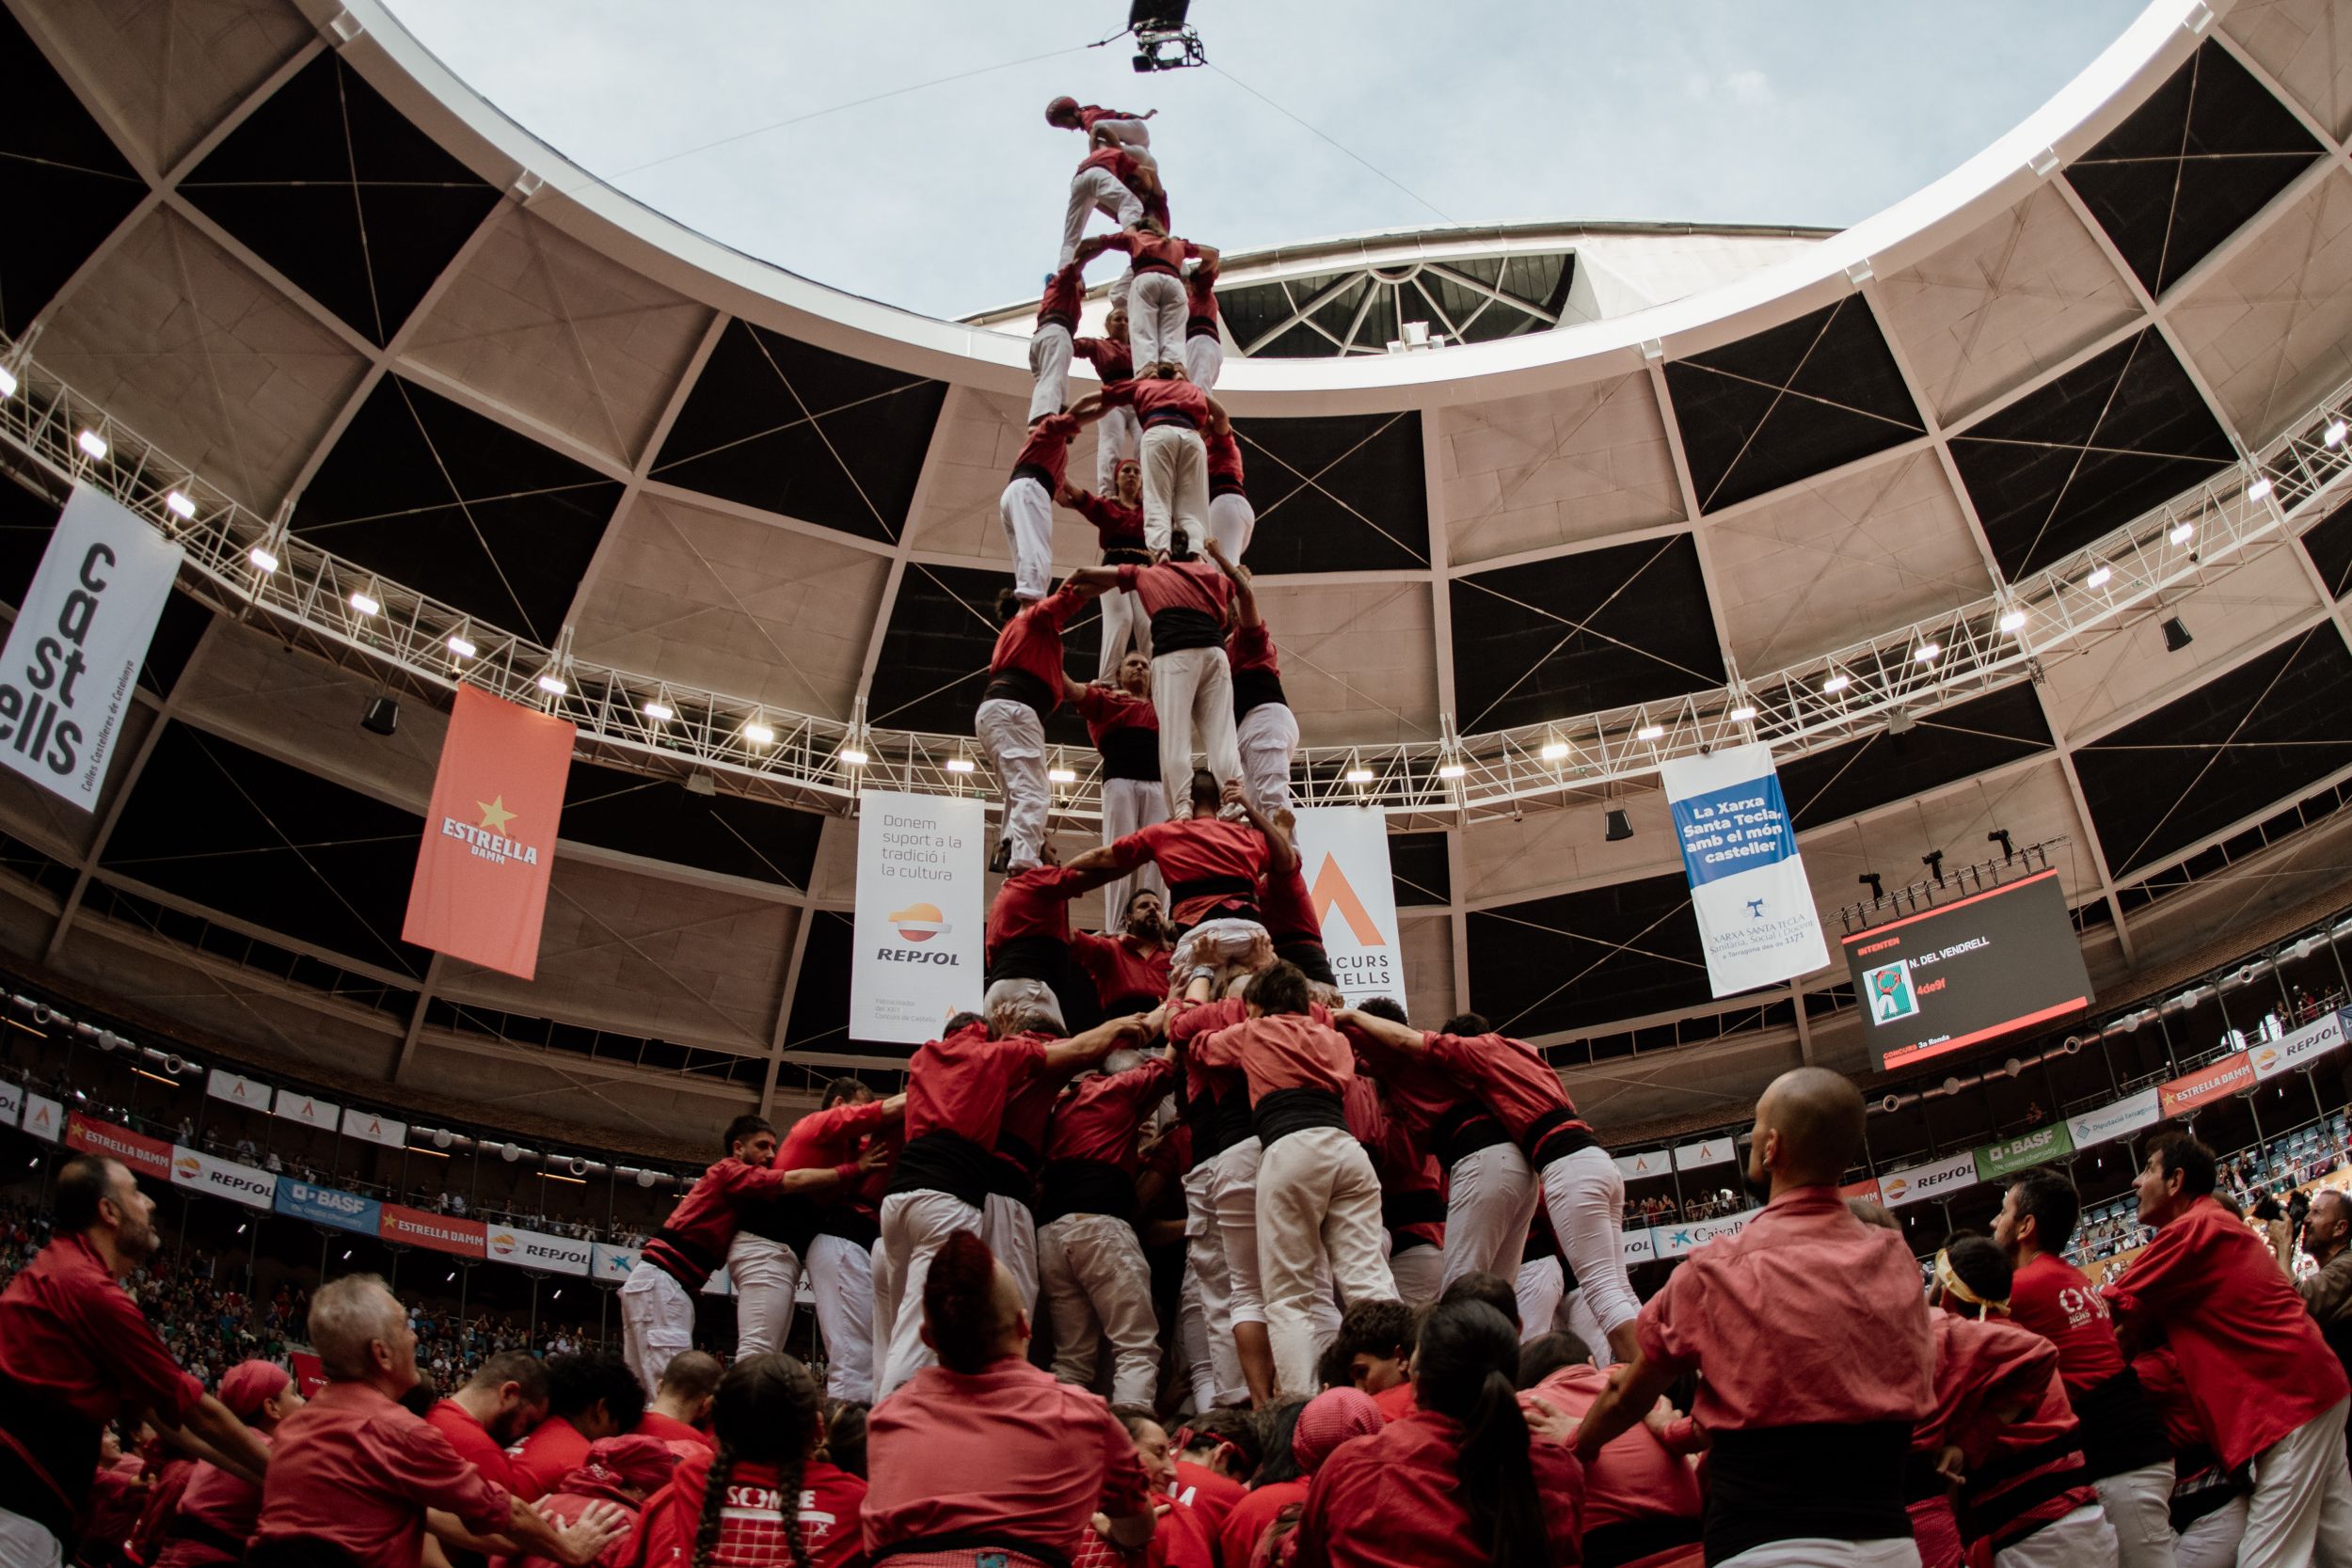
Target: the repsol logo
pixel 916 956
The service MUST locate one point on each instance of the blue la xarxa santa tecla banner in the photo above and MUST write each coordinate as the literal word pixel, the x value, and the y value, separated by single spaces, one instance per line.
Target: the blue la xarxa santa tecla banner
pixel 1755 908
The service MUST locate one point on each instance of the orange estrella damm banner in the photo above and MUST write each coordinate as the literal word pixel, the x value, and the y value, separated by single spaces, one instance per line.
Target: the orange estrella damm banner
pixel 490 834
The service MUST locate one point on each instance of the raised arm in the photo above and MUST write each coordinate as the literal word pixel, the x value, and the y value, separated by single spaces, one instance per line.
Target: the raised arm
pixel 1632 1389
pixel 1385 1033
pixel 1089 408
pixel 1244 594
pixel 1284 857
pixel 1092 580
pixel 212 1431
pixel 1096 1043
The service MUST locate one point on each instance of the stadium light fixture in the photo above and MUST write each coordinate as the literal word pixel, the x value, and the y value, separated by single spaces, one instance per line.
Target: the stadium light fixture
pixel 8 382
pixel 365 603
pixel 1553 750
pixel 1062 775
pixel 2099 577
pixel 1651 731
pixel 2183 532
pixel 660 713
pixel 2260 488
pixel 554 684
pixel 759 733
pixel 1450 769
pixel 959 765
pixel 1743 714
pixel 2332 436
pixel 180 506
pixel 462 646
pixel 1927 653
pixel 92 442
pixel 1836 682
pixel 1357 776
pixel 2012 620
pixel 263 559
pixel 852 757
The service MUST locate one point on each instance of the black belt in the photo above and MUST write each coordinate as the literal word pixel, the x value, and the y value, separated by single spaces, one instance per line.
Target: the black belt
pixel 1228 484
pixel 943 1161
pixel 688 1257
pixel 1159 416
pixel 1423 1206
pixel 1839 1481
pixel 1200 1113
pixel 1993 1516
pixel 1084 1187
pixel 1256 688
pixel 1014 685
pixel 853 1226
pixel 1463 1132
pixel 1311 959
pixel 1037 957
pixel 789 1221
pixel 1200 327
pixel 1142 268
pixel 1126 555
pixel 1277 1115
pixel 1039 472
pixel 2119 1432
pixel 1009 1178
pixel 1131 751
pixel 1055 318
pixel 1632 1539
pixel 1180 626
pixel 1211 887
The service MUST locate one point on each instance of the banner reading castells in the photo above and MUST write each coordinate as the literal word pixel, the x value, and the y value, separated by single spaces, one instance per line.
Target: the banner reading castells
pixel 1343 857
pixel 1756 920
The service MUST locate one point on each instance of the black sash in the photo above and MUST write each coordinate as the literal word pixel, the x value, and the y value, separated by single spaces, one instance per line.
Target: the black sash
pixel 688 1256
pixel 2119 1432
pixel 1463 1132
pixel 1286 1111
pixel 1181 628
pixel 853 1226
pixel 943 1161
pixel 1125 555
pixel 1310 956
pixel 1254 689
pixel 1084 1187
pixel 1200 327
pixel 1839 1481
pixel 1037 958
pixel 976 1542
pixel 1632 1539
pixel 1177 417
pixel 791 1221
pixel 1020 686
pixel 48 1458
pixel 1131 751
pixel 1554 1135
pixel 1226 484
pixel 1399 1210
pixel 1038 471
pixel 1202 1115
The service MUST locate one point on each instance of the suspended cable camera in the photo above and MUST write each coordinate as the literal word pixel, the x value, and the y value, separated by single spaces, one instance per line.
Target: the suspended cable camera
pixel 1163 42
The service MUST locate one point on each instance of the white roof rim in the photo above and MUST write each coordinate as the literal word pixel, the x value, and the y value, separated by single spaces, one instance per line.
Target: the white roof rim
pixel 576 200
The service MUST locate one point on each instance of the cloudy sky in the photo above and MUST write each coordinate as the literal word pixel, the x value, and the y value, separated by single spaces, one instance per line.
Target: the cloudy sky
pixel 897 148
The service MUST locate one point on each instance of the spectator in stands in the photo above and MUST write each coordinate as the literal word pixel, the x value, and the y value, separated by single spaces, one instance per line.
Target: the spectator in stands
pixel 75 1353
pixel 591 1395
pixel 2255 1363
pixel 682 1405
pixel 2328 1294
pixel 354 1478
pixel 495 1409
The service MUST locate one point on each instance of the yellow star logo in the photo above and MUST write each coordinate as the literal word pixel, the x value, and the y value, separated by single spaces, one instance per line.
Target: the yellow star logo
pixel 494 816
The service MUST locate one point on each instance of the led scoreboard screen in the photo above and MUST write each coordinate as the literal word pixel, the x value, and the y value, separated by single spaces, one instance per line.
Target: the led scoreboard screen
pixel 1969 973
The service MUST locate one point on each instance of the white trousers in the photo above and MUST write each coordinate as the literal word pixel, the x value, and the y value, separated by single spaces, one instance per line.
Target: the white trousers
pixel 1192 692
pixel 1095 190
pixel 1175 486
pixel 1133 135
pixel 1125 625
pixel 1420 1276
pixel 1015 738
pixel 841 1276
pixel 2138 1503
pixel 1155 319
pixel 1318 1207
pixel 767 1275
pixel 1117 438
pixel 1490 1201
pixel 1232 521
pixel 1130 804
pixel 1207 1275
pixel 1028 513
pixel 2212 1541
pixel 1097 1286
pixel 2301 1510
pixel 1011 1231
pixel 1233 1194
pixel 1585 1194
pixel 1192 1340
pixel 1817 1552
pixel 656 1323
pixel 915 1226
pixel 1267 740
pixel 2082 1539
pixel 1541 1287
pixel 1049 370
pixel 1008 1001
pixel 26 1545
pixel 1204 361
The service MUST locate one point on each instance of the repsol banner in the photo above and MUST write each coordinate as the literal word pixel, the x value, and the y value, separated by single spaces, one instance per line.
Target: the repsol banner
pixel 2300 1048
pixel 1936 1178
pixel 917 953
pixel 72 659
pixel 193 1167
pixel 534 1249
pixel 1343 857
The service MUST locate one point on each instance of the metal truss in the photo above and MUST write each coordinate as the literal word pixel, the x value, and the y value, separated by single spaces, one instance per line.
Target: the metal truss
pixel 252 568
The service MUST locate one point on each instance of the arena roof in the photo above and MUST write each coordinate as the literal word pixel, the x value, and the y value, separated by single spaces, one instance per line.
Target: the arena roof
pixel 291 265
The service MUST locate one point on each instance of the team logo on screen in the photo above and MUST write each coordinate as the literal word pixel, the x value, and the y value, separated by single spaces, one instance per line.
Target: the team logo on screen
pixel 1889 989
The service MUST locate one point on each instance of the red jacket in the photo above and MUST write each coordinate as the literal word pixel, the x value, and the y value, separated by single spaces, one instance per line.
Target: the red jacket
pixel 1030 646
pixel 829 1515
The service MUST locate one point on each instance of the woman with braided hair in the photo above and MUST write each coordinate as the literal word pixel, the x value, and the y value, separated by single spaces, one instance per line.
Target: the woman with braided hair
pixel 763 1499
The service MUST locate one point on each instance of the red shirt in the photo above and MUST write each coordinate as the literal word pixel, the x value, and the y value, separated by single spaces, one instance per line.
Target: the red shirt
pixel 669 1429
pixel 1514 1081
pixel 1048 448
pixel 1179 1539
pixel 1029 1107
pixel 1633 1477
pixel 1985 1369
pixel 563 1508
pixel 1203 849
pixel 213 1501
pixel 1098 1118
pixel 822 1139
pixel 1212 1495
pixel 1106 708
pixel 707 1216
pixel 1112 359
pixel 1410 1183
pixel 1280 1051
pixel 1116 525
pixel 958 1084
pixel 2251 1356
pixel 1397 1401
pixel 1170 399
pixel 1005 1455
pixel 1200 297
pixel 355 1471
pixel 1395 1499
pixel 1092 114
pixel 1237 1538
pixel 1032 903
pixel 830 1513
pixel 1121 972
pixel 472 1441
pixel 1152 252
pixel 69 1332
pixel 1420 1096
pixel 1031 643
pixel 1224 449
pixel 2057 1301
pixel 1807 1316
pixel 1064 290
pixel 554 1450
pixel 1252 648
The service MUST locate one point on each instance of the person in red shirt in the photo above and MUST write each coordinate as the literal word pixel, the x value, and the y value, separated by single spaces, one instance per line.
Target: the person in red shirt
pixel 1216 1452
pixel 1205 348
pixel 1126 729
pixel 2123 1440
pixel 957 1088
pixel 1172 413
pixel 1265 730
pixel 1105 182
pixel 492 1411
pixel 984 1454
pixel 1412 1189
pixel 1318 1203
pixel 1119 437
pixel 1641 1498
pixel 2271 1392
pixel 1056 328
pixel 217 1511
pixel 1462 1479
pixel 1027 945
pixel 1213 867
pixel 1091 1262
pixel 848 1121
pixel 75 1353
pixel 353 1473
pixel 1025 507
pixel 1180 1537
pixel 1120 125
pixel 658 1301
pixel 591 1395
pixel 1188 603
pixel 763 1498
pixel 1814 1351
pixel 1129 970
pixel 2208 1504
pixel 1118 518
pixel 1583 1189
pixel 679 1411
pixel 1156 301
pixel 1024 684
pixel 619 1472
pixel 1232 520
